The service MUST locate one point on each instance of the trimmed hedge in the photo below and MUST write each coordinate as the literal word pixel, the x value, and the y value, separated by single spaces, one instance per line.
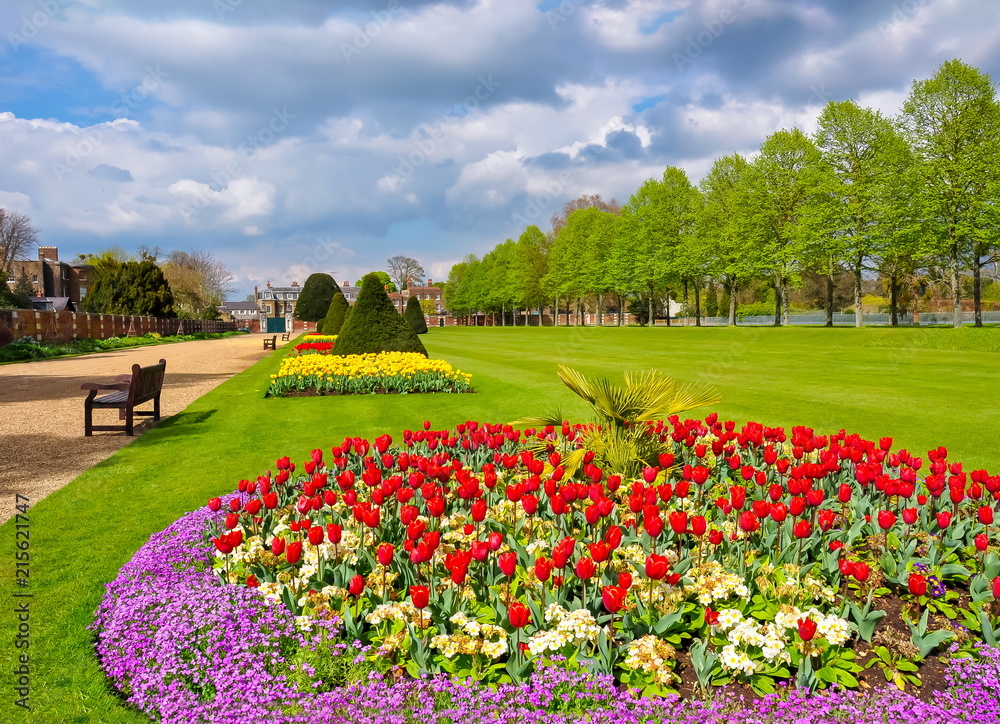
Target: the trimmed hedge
pixel 415 316
pixel 375 326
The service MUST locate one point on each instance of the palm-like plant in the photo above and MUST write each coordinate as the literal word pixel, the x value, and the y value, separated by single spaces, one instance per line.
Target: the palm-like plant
pixel 620 437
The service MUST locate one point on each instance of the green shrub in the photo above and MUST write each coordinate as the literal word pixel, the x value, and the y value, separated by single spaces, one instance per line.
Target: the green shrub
pixel 414 314
pixel 314 299
pixel 375 326
pixel 334 319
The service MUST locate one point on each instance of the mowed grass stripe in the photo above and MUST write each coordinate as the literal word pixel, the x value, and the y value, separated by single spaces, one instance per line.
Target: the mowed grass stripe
pixel 922 387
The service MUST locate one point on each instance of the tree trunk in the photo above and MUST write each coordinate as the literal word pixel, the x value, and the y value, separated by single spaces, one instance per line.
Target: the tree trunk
pixel 697 305
pixel 859 318
pixel 600 310
pixel 916 302
pixel 650 320
pixel 784 300
pixel 666 308
pixel 502 316
pixel 686 314
pixel 732 303
pixel 621 311
pixel 956 289
pixel 829 299
pixel 555 316
pixel 977 290
pixel 893 300
pixel 777 302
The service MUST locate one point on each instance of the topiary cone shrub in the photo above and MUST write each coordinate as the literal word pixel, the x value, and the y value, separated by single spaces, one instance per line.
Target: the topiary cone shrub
pixel 375 326
pixel 315 297
pixel 335 315
pixel 415 316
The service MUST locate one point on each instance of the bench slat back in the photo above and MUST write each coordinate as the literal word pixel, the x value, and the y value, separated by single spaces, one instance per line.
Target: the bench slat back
pixel 147 381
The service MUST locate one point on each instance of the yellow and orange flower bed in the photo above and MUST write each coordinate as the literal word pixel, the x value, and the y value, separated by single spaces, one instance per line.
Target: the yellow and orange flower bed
pixel 388 372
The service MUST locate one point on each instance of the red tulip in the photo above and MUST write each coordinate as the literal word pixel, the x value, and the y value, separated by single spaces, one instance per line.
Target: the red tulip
pixel 479 510
pixel 861 571
pixel 737 496
pixel 625 580
pixel 802 529
pixel 982 542
pixel 844 493
pixel 508 563
pixel 334 533
pixel 679 522
pixel 223 545
pixel 494 540
pixel 797 505
pixel 519 615
pixel 543 569
pixel 715 536
pixel 316 535
pixel 649 474
pixel 599 551
pixel 215 504
pixel 385 552
pixel 613 537
pixel 357 585
pixel 986 515
pixel 294 552
pixel 886 519
pixel 585 568
pixel 252 581
pixel 826 518
pixel 232 520
pixel 614 598
pixel 749 522
pixel 653 525
pixel 996 587
pixel 846 567
pixel 657 567
pixel 807 629
pixel 711 617
pixel 277 546
pixel 420 596
pixel 943 519
pixel 698 525
pixel 909 516
pixel 917 584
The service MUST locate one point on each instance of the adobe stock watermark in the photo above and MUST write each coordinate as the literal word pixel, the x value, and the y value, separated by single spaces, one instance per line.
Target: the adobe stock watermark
pixel 93 137
pixel 698 43
pixel 325 251
pixel 364 35
pixel 901 12
pixel 33 24
pixel 435 136
pixel 540 203
pixel 221 178
pixel 561 13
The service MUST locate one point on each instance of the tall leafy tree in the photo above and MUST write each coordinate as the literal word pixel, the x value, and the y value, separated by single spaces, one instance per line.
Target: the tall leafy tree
pixel 953 124
pixel 727 245
pixel 787 175
pixel 386 280
pixel 530 266
pixel 315 297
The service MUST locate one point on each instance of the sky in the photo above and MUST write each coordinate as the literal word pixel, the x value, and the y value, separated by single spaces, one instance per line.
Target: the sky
pixel 296 136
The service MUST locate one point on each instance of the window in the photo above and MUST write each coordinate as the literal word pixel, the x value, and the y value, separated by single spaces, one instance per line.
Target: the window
pixel 267 308
pixel 34 278
pixel 83 292
pixel 10 276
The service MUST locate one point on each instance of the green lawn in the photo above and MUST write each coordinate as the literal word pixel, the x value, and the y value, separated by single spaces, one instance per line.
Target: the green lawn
pixel 924 387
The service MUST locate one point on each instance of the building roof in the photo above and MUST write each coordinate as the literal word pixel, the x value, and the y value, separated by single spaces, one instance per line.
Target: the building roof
pixel 234 306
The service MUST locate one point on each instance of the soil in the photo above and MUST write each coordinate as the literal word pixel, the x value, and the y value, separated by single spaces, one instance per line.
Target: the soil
pixel 42 445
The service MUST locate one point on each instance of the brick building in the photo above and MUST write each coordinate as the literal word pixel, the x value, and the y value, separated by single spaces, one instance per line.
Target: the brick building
pixel 52 279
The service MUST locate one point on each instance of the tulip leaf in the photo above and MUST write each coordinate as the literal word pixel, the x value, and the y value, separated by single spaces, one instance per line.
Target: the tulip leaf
pixel 989 632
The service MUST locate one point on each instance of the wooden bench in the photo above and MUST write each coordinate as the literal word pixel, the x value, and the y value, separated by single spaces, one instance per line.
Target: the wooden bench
pixel 143 385
pixel 284 337
pixel 271 343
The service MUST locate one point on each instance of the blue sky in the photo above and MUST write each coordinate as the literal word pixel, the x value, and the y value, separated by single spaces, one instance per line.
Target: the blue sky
pixel 299 136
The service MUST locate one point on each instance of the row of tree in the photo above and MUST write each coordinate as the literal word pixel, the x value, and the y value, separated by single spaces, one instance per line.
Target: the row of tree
pixel 864 195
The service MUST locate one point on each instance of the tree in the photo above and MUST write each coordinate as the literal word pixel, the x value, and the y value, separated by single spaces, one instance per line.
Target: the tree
pixel 585 201
pixel 429 306
pixel 869 161
pixel 724 223
pixel 314 299
pixel 134 287
pixel 19 296
pixel 17 237
pixel 384 276
pixel 403 269
pixel 531 263
pixel 334 319
pixel 199 281
pixel 953 124
pixel 786 178
pixel 414 316
pixel 375 326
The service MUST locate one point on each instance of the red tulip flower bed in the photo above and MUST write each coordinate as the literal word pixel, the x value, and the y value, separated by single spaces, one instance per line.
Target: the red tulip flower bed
pixel 745 555
pixel 314 347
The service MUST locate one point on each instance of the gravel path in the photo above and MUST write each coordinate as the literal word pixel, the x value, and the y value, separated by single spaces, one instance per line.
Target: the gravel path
pixel 42 445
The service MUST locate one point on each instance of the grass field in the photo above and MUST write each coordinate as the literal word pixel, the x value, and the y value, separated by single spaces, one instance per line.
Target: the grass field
pixel 923 387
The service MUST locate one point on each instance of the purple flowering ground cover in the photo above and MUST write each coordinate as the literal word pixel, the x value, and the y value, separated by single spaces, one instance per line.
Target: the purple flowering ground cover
pixel 183 647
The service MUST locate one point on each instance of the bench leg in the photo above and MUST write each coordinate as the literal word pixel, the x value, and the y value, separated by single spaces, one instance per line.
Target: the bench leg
pixel 88 419
pixel 156 407
pixel 128 422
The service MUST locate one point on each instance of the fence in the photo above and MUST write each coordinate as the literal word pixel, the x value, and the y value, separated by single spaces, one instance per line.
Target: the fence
pixel 926 318
pixel 65 326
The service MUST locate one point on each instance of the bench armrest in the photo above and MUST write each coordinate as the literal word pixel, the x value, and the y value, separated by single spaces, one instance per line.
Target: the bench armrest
pixel 123 386
pixel 123 379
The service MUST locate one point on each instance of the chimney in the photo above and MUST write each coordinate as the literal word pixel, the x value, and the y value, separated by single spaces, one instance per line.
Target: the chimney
pixel 295 284
pixel 430 282
pixel 346 284
pixel 269 285
pixel 48 253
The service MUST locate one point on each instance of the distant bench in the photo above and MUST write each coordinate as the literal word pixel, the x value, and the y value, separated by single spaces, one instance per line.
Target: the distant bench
pixel 271 343
pixel 284 337
pixel 143 385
